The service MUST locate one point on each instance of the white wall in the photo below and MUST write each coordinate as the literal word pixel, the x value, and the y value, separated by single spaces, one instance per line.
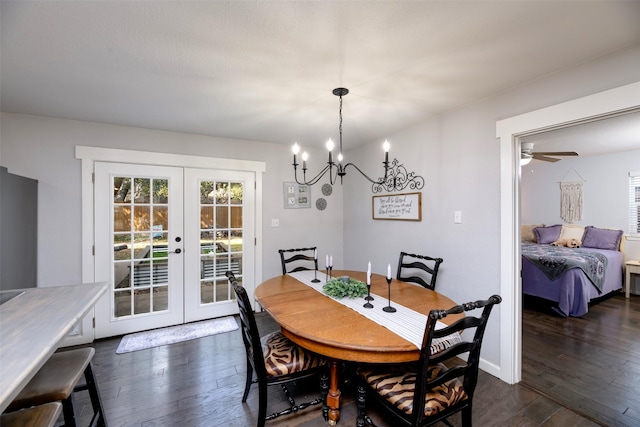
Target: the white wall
pixel 458 154
pixel 44 149
pixel 605 190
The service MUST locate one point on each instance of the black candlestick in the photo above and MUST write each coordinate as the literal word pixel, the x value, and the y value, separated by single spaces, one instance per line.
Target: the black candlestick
pixel 368 297
pixel 388 308
pixel 315 276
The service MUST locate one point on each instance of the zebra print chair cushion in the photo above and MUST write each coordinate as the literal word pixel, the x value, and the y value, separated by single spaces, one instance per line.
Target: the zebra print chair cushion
pixel 397 386
pixel 283 357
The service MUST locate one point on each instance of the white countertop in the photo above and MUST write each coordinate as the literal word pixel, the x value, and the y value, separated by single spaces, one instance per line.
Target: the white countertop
pixel 32 326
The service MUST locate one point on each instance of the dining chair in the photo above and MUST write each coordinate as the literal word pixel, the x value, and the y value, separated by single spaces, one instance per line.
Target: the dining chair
pixel 276 360
pixel 58 380
pixel 419 269
pixel 45 415
pixel 302 259
pixel 438 384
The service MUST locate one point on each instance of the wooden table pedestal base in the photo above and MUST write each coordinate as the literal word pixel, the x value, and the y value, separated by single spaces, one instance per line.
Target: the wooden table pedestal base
pixel 333 398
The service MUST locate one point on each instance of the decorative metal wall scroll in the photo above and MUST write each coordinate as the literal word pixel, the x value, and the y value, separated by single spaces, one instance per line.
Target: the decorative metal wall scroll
pixel 397 179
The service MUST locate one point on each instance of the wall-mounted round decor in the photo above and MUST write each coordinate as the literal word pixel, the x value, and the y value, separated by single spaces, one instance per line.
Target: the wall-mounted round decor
pixel 327 189
pixel 321 204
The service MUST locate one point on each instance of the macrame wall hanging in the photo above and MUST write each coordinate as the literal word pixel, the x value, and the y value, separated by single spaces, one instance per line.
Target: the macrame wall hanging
pixel 571 199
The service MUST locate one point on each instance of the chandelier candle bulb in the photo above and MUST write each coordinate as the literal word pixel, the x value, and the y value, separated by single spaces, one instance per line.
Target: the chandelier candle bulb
pixel 296 150
pixel 386 147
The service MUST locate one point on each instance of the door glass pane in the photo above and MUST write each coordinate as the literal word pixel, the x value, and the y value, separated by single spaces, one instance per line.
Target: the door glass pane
pixel 221 213
pixel 140 245
pixel 141 219
pixel 141 190
pixel 160 191
pixel 161 298
pixel 206 217
pixel 222 217
pixel 121 218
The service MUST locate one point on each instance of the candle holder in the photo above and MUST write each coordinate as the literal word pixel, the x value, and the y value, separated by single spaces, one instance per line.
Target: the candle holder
pixel 330 268
pixel 315 276
pixel 388 308
pixel 368 297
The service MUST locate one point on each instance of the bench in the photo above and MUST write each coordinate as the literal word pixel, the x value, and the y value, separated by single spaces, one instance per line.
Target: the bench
pixel 221 268
pixel 142 274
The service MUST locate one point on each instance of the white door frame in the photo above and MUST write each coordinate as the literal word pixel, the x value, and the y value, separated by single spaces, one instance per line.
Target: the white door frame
pixel 508 131
pixel 89 155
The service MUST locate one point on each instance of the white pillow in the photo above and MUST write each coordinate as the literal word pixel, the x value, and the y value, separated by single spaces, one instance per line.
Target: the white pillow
pixel 571 231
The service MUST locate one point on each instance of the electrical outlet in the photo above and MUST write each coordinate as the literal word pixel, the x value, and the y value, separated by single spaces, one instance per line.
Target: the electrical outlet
pixel 457 217
pixel 275 222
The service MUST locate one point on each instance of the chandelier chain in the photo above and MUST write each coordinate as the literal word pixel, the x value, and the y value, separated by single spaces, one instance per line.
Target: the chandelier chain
pixel 340 126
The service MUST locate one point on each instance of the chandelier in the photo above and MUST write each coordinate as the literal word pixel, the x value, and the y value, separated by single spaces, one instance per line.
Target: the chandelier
pixel 396 177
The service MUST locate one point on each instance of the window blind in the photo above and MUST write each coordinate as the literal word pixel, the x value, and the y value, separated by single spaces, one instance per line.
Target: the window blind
pixel 634 203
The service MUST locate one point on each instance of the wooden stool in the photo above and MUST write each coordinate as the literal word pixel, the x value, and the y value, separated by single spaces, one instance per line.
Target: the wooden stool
pixel 38 416
pixel 57 381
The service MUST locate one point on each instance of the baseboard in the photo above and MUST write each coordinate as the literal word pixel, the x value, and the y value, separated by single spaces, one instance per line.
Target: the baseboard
pixel 490 368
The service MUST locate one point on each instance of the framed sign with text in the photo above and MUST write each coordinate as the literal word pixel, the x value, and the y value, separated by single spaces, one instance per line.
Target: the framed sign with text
pixel 406 207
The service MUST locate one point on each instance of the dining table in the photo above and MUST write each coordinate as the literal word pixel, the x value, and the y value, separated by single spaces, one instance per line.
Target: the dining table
pixel 33 324
pixel 332 329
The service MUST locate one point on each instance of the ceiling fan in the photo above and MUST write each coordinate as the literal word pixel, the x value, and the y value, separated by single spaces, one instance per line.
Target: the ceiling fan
pixel 527 154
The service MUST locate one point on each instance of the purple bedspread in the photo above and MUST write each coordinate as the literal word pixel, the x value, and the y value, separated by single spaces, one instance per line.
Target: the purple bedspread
pixel 573 290
pixel 554 261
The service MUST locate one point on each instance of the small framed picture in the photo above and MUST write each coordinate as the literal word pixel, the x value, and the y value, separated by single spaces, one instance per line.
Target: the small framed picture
pixel 296 195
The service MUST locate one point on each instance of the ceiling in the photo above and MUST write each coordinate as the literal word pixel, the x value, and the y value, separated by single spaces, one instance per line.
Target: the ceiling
pixel 613 134
pixel 265 70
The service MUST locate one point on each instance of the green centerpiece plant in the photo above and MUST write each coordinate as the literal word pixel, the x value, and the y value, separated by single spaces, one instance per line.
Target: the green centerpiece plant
pixel 341 287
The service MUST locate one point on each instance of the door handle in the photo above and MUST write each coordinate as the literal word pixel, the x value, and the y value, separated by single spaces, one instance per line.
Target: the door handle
pixel 177 251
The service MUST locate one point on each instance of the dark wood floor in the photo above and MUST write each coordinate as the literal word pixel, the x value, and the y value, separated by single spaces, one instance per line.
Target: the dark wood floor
pixel 590 364
pixel 200 383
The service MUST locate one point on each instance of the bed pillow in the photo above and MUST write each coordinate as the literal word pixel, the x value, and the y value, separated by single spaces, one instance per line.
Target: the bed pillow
pixel 546 235
pixel 570 231
pixel 527 234
pixel 601 238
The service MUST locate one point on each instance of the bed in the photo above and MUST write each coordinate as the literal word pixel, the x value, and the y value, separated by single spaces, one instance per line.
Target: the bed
pixel 572 277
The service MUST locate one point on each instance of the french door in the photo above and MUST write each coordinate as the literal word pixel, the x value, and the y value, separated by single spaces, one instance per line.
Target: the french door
pixel 164 238
pixel 219 217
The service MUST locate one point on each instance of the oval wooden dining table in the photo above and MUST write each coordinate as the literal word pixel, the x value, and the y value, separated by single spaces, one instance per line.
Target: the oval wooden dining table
pixel 325 326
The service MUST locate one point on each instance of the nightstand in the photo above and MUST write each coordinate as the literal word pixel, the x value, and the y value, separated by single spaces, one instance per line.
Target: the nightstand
pixel 631 267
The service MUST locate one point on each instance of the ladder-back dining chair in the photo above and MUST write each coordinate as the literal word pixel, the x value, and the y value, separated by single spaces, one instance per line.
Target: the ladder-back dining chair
pixel 276 360
pixel 293 260
pixel 420 269
pixel 438 385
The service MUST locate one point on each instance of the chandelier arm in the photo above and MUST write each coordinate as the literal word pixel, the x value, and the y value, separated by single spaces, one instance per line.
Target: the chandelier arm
pixel 313 180
pixel 373 181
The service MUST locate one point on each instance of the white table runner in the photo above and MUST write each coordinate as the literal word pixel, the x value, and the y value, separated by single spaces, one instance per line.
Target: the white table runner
pixel 405 322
